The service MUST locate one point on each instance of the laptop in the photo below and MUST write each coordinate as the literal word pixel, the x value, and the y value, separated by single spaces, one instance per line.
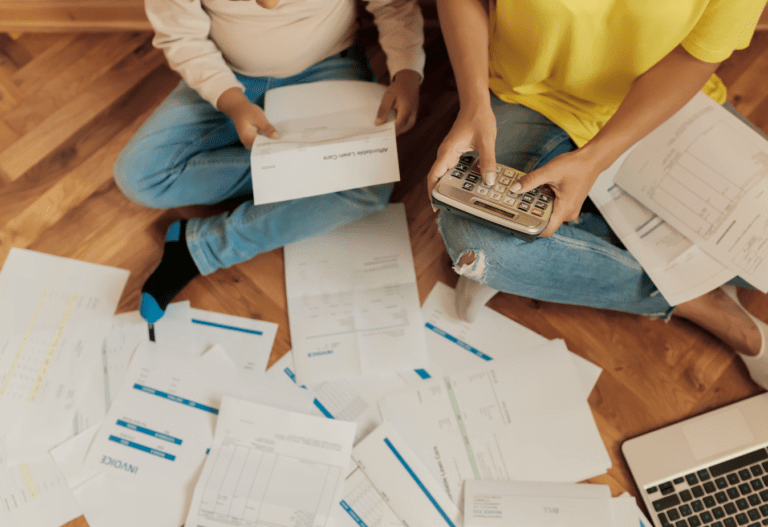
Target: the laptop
pixel 707 471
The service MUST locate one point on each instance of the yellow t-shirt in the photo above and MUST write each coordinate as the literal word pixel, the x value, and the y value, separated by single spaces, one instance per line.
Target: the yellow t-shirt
pixel 575 60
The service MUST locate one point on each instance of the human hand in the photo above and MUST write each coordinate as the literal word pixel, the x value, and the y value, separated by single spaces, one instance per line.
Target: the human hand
pixel 473 130
pixel 570 176
pixel 402 96
pixel 248 118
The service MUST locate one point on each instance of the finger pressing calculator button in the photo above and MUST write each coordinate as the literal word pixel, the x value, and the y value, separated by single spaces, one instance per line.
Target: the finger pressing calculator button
pixel 467 186
pixel 482 191
pixel 495 195
pixel 472 178
pixel 499 188
pixel 524 206
pixel 537 212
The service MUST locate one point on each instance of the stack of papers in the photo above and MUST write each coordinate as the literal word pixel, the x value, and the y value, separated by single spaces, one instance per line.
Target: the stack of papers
pixel 689 202
pixel 377 417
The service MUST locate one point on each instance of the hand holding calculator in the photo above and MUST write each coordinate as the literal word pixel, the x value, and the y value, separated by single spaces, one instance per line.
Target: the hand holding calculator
pixel 461 190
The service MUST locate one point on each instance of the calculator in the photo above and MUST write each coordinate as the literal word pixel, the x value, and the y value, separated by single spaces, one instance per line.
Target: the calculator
pixel 461 190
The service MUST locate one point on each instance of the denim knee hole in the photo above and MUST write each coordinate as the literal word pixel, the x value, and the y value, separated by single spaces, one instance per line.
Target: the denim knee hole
pixel 471 264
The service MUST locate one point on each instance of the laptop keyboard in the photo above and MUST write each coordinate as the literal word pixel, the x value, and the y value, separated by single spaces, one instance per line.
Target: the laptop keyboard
pixel 733 493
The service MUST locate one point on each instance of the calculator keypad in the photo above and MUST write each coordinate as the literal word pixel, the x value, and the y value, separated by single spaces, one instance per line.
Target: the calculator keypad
pixel 536 202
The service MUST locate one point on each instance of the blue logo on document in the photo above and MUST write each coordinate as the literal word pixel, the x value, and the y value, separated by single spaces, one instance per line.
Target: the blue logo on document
pixel 116 463
pixel 318 353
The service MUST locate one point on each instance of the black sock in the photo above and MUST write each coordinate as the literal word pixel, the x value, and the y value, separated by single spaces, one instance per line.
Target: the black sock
pixel 175 270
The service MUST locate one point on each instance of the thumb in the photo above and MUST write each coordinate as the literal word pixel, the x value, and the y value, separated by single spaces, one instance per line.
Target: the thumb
pixel 265 128
pixel 387 102
pixel 529 181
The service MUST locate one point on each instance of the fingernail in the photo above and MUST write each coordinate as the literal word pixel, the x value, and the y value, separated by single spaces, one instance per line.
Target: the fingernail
pixel 490 177
pixel 515 186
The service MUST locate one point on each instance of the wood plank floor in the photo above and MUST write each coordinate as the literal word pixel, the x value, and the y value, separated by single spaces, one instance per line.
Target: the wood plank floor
pixel 69 102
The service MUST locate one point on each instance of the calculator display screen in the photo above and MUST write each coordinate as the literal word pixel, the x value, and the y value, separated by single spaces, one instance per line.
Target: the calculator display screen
pixel 494 210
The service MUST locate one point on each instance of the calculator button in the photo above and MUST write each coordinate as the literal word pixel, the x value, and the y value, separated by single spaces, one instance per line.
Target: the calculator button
pixel 544 198
pixel 462 167
pixel 495 195
pixel 504 180
pixel 457 174
pixel 466 159
pixel 523 206
pixel 509 200
pixel 472 178
pixel 540 205
pixel 499 188
pixel 537 212
pixel 467 186
pixel 482 191
pixel 499 169
pixel 527 198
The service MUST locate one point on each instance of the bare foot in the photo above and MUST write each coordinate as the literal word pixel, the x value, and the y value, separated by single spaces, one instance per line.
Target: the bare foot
pixel 725 319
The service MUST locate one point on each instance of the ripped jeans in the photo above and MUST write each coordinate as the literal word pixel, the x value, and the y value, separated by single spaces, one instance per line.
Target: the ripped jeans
pixel 583 263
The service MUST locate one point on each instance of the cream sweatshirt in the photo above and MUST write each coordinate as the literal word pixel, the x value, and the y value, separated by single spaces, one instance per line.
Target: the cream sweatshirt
pixel 205 41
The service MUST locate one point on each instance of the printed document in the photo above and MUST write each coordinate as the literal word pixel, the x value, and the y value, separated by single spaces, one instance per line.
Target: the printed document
pixel 353 303
pixel 54 315
pixel 328 141
pixel 705 172
pixel 396 474
pixel 36 494
pixel 545 504
pixel 272 467
pixel 521 417
pixel 248 342
pixel 678 268
pixel 352 399
pixel 455 345
pixel 161 423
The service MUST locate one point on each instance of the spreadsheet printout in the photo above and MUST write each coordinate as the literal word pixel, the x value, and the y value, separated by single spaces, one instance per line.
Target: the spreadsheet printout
pixel 705 172
pixel 272 467
pixel 353 303
pixel 54 314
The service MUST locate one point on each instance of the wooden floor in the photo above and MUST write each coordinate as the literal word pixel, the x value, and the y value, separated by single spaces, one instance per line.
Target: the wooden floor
pixel 69 102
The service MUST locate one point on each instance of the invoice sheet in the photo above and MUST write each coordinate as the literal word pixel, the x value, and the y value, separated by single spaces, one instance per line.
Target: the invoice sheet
pixel 353 399
pixel 705 172
pixel 522 417
pixel 272 467
pixel 328 141
pixel 455 345
pixel 54 314
pixel 36 494
pixel 247 341
pixel 160 425
pixel 678 268
pixel 540 504
pixel 402 480
pixel 353 303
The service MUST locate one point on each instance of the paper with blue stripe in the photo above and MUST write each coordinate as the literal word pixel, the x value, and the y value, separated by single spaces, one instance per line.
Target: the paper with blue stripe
pixel 413 494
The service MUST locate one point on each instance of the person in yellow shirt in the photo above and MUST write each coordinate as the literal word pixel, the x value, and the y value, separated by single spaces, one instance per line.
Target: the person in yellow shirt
pixel 560 89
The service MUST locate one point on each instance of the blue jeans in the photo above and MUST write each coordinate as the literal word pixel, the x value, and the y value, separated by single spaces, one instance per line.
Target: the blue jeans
pixel 583 263
pixel 188 153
